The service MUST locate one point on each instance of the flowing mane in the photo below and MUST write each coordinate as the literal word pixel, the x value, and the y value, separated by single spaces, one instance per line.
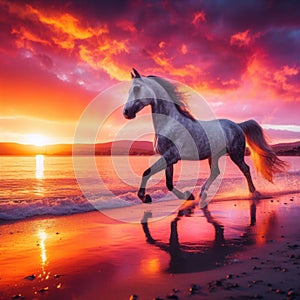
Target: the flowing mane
pixel 176 96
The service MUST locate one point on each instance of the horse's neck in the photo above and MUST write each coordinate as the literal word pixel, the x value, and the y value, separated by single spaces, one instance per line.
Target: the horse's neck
pixel 164 112
pixel 164 107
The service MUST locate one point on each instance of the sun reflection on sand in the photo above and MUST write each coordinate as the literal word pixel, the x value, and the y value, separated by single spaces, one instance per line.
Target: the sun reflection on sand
pixel 151 265
pixel 43 236
pixel 39 166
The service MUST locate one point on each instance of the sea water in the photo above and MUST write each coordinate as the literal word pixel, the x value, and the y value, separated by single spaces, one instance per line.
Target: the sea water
pixel 49 185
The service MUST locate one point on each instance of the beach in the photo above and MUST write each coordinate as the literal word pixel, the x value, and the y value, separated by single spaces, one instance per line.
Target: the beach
pixel 149 150
pixel 234 249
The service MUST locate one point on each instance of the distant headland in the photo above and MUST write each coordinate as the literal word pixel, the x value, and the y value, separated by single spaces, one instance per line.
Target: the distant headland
pixel 122 147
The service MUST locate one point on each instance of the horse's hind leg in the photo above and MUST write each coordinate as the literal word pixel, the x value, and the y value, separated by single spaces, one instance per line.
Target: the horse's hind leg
pixel 240 162
pixel 214 173
pixel 169 182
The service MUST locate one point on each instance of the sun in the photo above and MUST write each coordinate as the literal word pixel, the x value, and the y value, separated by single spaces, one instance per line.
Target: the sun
pixel 36 139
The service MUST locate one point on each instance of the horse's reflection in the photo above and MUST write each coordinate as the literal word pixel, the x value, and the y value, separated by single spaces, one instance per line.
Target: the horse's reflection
pixel 188 258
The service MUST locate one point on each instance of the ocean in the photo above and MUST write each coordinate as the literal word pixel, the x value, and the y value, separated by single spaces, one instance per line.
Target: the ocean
pixel 50 185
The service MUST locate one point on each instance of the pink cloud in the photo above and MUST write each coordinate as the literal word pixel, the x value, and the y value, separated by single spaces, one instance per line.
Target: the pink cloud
pixel 241 38
pixel 198 18
pixel 248 64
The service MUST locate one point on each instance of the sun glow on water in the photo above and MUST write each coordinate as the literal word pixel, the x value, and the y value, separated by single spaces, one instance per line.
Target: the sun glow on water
pixel 39 166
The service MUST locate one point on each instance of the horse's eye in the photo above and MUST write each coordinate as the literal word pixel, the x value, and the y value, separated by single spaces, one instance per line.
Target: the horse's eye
pixel 136 88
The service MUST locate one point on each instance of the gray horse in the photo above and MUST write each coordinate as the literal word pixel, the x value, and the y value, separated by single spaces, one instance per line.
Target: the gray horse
pixel 179 136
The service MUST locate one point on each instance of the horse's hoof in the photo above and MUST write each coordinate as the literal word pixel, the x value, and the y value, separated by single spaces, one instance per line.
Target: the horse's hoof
pixel 188 195
pixel 147 199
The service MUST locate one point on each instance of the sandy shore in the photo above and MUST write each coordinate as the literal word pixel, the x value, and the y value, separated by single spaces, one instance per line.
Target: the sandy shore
pixel 232 250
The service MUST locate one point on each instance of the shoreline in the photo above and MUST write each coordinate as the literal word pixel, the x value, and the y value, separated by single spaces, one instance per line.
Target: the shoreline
pixel 236 249
pixel 163 207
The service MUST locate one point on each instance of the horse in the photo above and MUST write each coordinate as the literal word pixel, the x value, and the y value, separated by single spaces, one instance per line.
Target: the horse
pixel 179 136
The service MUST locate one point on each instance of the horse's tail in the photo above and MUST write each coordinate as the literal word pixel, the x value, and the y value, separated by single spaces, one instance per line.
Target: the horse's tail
pixel 265 160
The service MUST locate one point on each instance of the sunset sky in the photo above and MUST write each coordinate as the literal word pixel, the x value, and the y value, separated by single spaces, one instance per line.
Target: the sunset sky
pixel 242 56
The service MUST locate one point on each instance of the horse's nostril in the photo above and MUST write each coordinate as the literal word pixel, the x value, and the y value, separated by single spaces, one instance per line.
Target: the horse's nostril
pixel 126 112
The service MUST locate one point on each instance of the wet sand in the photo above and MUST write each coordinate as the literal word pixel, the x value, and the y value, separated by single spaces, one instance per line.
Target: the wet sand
pixel 237 249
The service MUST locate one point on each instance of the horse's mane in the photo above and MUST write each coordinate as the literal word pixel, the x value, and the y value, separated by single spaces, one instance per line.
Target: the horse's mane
pixel 176 96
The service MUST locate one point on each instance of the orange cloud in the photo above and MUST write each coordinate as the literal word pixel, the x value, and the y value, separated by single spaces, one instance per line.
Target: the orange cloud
pixel 263 80
pixel 240 39
pixel 127 26
pixel 25 37
pixel 199 17
pixel 183 49
pixel 162 44
pixel 281 77
pixel 68 24
pixel 114 70
pixel 94 45
pixel 180 72
pixel 101 58
pixel 64 41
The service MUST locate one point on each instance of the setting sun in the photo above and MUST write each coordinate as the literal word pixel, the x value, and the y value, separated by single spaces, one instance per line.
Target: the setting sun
pixel 36 139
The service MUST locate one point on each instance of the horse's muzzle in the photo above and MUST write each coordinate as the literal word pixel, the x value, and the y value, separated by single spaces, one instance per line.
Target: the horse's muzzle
pixel 128 115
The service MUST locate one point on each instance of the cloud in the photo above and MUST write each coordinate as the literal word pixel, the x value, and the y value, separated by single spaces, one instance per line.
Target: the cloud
pixel 46 31
pixel 198 18
pixel 45 60
pixel 127 25
pixel 243 54
pixel 281 78
pixel 292 128
pixel 219 56
pixel 241 38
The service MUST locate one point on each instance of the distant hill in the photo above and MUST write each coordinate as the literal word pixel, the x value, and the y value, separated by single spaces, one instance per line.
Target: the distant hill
pixel 123 147
pixel 287 149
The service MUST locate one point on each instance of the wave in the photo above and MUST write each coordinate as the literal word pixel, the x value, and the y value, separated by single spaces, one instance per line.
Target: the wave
pixel 264 195
pixel 11 210
pixel 17 210
pixel 230 189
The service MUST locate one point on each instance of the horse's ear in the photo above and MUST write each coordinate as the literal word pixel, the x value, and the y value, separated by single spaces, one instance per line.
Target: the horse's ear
pixel 136 73
pixel 132 76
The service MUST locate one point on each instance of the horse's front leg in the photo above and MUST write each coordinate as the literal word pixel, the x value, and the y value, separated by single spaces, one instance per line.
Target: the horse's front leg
pixel 169 182
pixel 160 165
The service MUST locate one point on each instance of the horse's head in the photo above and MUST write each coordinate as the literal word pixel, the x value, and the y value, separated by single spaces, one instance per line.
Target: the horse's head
pixel 140 95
